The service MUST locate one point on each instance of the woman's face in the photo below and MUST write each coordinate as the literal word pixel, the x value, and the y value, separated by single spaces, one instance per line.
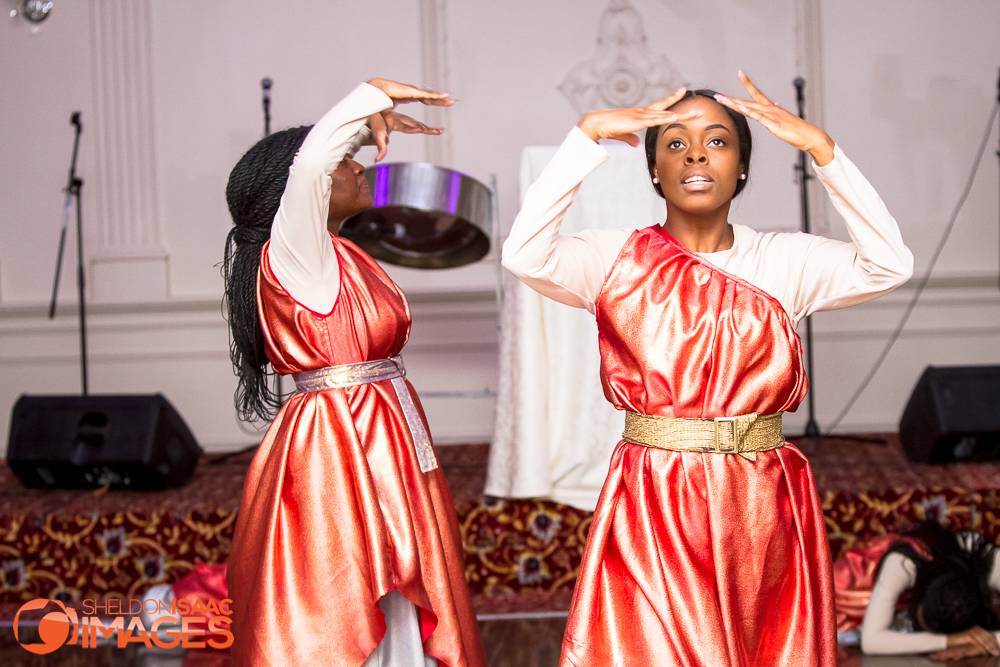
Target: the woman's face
pixel 349 193
pixel 698 161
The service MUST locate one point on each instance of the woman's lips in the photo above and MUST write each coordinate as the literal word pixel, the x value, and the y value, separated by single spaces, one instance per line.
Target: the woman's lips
pixel 696 183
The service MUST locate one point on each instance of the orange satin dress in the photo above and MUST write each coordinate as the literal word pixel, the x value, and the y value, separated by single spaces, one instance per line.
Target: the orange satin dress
pixel 700 559
pixel 335 510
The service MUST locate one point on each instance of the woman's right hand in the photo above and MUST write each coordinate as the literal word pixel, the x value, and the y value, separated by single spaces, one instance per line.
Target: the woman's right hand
pixel 967 644
pixel 621 124
pixel 402 93
pixel 384 123
pixel 389 121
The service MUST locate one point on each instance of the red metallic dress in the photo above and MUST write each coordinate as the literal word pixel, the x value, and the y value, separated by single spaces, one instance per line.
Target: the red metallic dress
pixel 700 559
pixel 335 510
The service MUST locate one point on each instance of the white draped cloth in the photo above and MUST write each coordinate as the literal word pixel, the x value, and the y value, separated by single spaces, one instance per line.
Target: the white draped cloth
pixel 555 431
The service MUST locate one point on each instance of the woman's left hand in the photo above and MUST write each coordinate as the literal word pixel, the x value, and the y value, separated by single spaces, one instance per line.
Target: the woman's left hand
pixel 786 126
pixel 388 121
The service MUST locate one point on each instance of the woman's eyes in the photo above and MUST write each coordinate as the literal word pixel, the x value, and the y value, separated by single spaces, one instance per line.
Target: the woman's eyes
pixel 677 143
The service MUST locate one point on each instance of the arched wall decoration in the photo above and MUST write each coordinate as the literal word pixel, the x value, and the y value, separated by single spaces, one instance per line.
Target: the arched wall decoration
pixel 624 72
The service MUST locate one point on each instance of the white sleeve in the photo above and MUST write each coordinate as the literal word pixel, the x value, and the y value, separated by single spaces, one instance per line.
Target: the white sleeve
pixel 898 573
pixel 995 580
pixel 569 269
pixel 835 274
pixel 301 254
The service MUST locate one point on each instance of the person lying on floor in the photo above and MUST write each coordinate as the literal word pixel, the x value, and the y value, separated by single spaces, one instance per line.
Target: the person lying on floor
pixel 950 610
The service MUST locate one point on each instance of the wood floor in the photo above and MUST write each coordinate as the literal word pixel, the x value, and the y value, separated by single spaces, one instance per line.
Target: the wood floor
pixel 509 642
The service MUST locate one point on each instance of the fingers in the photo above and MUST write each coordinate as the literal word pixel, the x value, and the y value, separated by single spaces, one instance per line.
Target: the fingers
pixel 957 653
pixel 397 122
pixel 985 640
pixel 435 99
pixel 620 123
pixel 745 107
pixel 752 89
pixel 670 101
pixel 630 139
pixel 404 92
pixel 685 115
pixel 407 93
pixel 991 643
pixel 380 133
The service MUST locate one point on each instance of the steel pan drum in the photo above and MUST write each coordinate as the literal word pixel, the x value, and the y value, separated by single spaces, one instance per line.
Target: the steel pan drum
pixel 424 216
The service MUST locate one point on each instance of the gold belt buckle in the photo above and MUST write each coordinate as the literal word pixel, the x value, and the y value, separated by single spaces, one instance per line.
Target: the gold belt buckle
pixel 736 438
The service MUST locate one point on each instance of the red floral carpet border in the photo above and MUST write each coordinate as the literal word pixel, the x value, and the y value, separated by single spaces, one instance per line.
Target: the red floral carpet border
pixel 75 545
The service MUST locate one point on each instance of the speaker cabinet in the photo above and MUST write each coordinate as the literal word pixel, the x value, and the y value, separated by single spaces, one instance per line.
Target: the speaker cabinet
pixel 125 442
pixel 953 415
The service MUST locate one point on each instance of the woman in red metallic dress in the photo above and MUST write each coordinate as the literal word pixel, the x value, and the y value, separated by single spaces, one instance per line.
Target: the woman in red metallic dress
pixel 708 545
pixel 347 548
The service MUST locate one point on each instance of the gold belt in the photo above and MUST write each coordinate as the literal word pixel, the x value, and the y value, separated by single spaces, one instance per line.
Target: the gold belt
pixel 744 435
pixel 366 372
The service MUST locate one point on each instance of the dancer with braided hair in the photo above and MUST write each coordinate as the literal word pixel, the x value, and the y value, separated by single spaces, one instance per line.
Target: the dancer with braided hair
pixel 347 549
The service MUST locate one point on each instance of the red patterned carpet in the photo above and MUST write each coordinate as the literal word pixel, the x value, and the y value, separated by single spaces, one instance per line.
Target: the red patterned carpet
pixel 520 555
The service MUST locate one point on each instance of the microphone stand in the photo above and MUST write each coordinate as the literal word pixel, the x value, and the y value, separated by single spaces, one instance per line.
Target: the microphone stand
pixel 265 89
pixel 812 428
pixel 265 99
pixel 73 188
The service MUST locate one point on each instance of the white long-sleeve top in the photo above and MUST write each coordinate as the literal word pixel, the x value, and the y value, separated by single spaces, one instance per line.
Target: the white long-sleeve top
pixel 301 254
pixel 898 574
pixel 805 273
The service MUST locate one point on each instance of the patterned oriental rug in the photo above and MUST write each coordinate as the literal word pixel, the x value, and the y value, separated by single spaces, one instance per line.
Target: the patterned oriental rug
pixel 520 555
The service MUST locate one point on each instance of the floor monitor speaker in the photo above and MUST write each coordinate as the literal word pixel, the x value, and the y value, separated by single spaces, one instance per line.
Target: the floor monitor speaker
pixel 125 442
pixel 953 415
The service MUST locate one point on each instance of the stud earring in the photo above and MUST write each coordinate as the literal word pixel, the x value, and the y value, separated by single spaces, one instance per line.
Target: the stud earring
pixel 743 177
pixel 656 179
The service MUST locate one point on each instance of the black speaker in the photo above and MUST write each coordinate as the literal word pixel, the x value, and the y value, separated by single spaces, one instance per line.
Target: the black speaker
pixel 125 442
pixel 953 416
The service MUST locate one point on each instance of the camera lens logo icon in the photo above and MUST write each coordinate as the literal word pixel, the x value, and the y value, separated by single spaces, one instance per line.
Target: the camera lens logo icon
pixel 55 628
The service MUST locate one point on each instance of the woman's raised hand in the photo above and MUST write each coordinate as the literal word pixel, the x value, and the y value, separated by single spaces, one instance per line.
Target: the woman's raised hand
pixel 388 121
pixel 786 126
pixel 402 93
pixel 621 124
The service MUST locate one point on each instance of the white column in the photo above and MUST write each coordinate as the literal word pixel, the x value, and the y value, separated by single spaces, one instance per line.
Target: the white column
pixel 434 47
pixel 127 260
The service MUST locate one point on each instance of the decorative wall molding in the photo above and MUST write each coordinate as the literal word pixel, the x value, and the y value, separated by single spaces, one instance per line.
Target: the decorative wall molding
pixel 124 186
pixel 181 349
pixel 434 45
pixel 624 71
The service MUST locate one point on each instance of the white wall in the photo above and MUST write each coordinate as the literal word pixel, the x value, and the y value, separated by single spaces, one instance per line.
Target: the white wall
pixel 908 88
pixel 170 98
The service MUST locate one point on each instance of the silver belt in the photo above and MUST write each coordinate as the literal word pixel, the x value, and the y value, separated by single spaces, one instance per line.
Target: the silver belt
pixel 366 372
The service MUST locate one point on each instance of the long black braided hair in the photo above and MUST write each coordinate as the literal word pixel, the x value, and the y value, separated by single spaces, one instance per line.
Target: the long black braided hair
pixel 743 137
pixel 952 584
pixel 253 194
